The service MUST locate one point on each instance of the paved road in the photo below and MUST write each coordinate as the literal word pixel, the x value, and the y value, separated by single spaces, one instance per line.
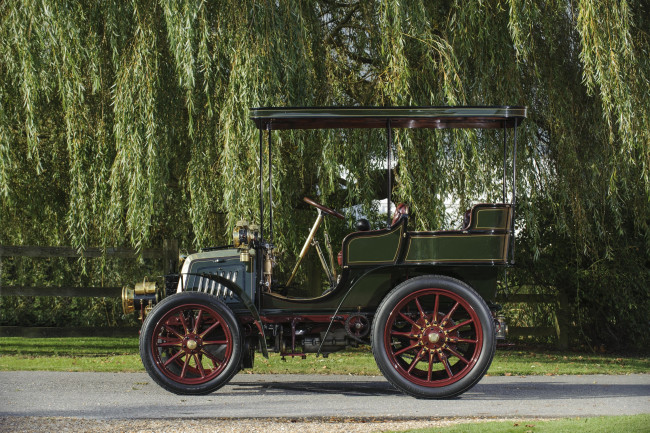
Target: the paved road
pixel 135 395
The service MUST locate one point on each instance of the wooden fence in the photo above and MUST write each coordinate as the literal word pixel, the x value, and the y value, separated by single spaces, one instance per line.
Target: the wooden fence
pixel 561 328
pixel 169 256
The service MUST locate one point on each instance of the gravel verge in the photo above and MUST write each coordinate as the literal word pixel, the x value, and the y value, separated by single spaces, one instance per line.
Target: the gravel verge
pixel 226 425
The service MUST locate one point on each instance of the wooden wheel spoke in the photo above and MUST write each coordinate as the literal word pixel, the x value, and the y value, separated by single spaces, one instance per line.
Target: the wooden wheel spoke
pixel 172 331
pixel 173 358
pixel 185 365
pixel 199 365
pixel 459 325
pixel 415 360
pixel 417 304
pixel 451 312
pixel 406 349
pixel 408 319
pixel 165 340
pixel 457 355
pixel 429 371
pixel 176 343
pixel 435 309
pixel 402 334
pixel 215 342
pixel 445 362
pixel 207 331
pixel 184 322
pixel 215 361
pixel 463 340
pixel 197 321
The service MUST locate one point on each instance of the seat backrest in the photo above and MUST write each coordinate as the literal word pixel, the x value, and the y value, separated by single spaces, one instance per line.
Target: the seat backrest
pixel 374 247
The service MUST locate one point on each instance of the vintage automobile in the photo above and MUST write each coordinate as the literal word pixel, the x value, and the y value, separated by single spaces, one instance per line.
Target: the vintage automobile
pixel 423 300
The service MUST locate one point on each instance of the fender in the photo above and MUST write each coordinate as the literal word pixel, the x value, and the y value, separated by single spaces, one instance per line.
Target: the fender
pixel 246 300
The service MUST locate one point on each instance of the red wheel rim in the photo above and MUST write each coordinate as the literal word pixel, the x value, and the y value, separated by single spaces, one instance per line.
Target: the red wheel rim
pixel 191 344
pixel 433 337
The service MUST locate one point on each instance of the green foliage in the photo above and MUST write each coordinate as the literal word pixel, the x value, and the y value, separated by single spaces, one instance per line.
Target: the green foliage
pixel 607 288
pixel 602 424
pixel 123 122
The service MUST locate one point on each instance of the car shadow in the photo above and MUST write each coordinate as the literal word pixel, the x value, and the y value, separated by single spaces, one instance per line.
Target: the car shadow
pixel 349 388
pixel 520 390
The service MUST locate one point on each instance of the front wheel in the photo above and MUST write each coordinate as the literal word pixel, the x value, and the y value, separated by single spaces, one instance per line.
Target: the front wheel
pixel 191 343
pixel 433 337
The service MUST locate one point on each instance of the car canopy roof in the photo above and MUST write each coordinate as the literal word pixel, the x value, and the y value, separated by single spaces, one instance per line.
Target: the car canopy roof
pixel 274 118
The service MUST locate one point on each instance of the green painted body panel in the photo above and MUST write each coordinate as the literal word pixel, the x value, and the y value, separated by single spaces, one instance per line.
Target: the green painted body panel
pixel 373 248
pixel 362 291
pixel 370 287
pixel 457 248
pixel 492 218
pixel 484 240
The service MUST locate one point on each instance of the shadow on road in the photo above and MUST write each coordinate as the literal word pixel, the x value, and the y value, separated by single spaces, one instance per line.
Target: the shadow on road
pixel 521 390
pixel 350 388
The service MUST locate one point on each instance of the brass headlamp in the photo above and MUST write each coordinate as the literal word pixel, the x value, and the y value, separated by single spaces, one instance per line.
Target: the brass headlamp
pixel 244 236
pixel 141 298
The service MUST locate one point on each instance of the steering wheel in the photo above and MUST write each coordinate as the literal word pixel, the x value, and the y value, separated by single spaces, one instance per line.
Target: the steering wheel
pixel 401 210
pixel 323 208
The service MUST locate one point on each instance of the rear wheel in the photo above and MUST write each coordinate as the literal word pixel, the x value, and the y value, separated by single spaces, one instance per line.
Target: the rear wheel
pixel 191 343
pixel 433 337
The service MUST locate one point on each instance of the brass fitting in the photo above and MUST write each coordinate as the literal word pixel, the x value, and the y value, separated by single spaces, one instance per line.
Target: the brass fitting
pixel 144 294
pixel 127 300
pixel 243 236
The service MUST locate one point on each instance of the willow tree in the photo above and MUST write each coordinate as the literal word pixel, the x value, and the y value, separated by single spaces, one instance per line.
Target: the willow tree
pixel 123 122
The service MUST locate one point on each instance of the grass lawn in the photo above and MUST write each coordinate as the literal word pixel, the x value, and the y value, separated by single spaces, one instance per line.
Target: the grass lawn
pixel 121 355
pixel 605 424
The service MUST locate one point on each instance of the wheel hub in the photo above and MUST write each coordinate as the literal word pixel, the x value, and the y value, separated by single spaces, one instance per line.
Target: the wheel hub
pixel 192 343
pixel 431 335
pixel 434 337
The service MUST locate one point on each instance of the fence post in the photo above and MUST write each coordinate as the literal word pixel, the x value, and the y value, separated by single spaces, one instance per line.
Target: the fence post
pixel 562 320
pixel 170 256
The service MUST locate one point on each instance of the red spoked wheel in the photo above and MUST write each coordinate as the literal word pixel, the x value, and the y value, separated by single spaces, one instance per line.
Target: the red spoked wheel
pixel 431 347
pixel 191 343
pixel 433 337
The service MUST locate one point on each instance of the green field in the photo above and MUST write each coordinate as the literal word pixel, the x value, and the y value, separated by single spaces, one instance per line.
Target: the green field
pixel 121 355
pixel 606 424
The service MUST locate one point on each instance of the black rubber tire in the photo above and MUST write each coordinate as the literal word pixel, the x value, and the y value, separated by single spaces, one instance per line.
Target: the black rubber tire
pixel 392 344
pixel 171 376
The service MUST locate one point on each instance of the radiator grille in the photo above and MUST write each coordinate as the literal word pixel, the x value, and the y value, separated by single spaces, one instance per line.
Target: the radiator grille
pixel 210 286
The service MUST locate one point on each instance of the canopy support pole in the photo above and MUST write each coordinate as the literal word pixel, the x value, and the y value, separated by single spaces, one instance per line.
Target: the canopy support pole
pixel 514 195
pixel 389 130
pixel 268 128
pixel 262 182
pixel 258 259
pixel 505 158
